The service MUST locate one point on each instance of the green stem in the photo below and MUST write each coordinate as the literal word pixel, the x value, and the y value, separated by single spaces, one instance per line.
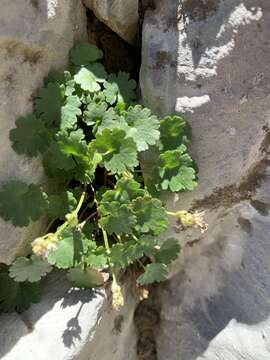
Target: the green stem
pixel 80 203
pixel 49 226
pixel 107 246
pixel 139 261
pixel 106 241
pixel 75 213
pixel 53 220
pixel 171 213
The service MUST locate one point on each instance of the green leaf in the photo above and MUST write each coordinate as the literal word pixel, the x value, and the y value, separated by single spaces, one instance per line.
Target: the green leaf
pixel 87 279
pixel 110 120
pixel 176 170
pixel 110 92
pixel 150 214
pixel 17 296
pixel 168 252
pixel 125 86
pixel 30 136
pixel 154 272
pixel 73 143
pixel 94 112
pixel 48 104
pixel 20 202
pixel 174 131
pixel 60 205
pixel 116 218
pixel 97 259
pixel 70 249
pixel 55 76
pixel 125 254
pixel 119 153
pixel 87 164
pixel 70 111
pixel 32 270
pixel 144 127
pixel 87 80
pixel 124 192
pixel 56 163
pixel 98 72
pixel 85 53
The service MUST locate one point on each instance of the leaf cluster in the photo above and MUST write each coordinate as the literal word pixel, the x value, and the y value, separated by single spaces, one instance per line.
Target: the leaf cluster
pixel 91 136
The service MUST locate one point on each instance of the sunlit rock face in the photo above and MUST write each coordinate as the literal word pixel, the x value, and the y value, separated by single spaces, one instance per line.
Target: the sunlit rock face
pixel 35 36
pixel 209 61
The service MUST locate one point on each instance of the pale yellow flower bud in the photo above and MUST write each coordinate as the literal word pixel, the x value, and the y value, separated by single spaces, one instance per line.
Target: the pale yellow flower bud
pixel 195 219
pixel 43 245
pixel 117 296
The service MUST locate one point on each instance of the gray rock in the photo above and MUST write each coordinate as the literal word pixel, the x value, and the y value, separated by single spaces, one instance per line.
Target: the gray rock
pixel 217 307
pixel 121 16
pixel 209 71
pixel 35 36
pixel 58 327
pixel 208 60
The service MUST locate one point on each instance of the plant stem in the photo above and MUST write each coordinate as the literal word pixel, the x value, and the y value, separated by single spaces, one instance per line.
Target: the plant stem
pixel 107 246
pixel 139 261
pixel 171 213
pixel 74 213
pixel 49 226
pixel 80 203
pixel 106 242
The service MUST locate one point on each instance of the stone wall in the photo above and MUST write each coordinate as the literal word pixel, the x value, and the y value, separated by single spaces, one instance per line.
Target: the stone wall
pixel 35 36
pixel 209 60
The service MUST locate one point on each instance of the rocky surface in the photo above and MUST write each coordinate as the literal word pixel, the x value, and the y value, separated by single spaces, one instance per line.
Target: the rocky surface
pixel 35 36
pixel 209 61
pixel 58 327
pixel 119 15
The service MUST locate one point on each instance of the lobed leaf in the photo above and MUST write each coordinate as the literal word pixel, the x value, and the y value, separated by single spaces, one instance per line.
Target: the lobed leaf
pixel 168 252
pixel 30 136
pixel 48 104
pixel 17 296
pixel 87 279
pixel 20 202
pixel 119 152
pixel 150 215
pixel 154 272
pixel 143 127
pixel 32 269
pixel 85 53
pixel 174 131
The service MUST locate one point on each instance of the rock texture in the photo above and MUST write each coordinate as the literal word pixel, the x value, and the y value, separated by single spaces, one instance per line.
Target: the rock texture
pixel 58 327
pixel 119 15
pixel 209 61
pixel 35 36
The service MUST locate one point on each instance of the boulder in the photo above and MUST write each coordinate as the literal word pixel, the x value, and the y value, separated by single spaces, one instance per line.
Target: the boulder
pixel 35 36
pixel 208 60
pixel 121 16
pixel 70 323
pixel 58 327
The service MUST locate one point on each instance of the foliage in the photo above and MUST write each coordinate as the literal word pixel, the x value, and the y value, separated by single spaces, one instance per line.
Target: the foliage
pixel 15 295
pixel 92 137
pixel 32 270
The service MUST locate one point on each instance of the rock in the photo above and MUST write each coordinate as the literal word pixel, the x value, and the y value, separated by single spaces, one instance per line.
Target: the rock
pixel 72 323
pixel 217 307
pixel 204 70
pixel 116 337
pixel 200 59
pixel 62 323
pixel 121 16
pixel 35 36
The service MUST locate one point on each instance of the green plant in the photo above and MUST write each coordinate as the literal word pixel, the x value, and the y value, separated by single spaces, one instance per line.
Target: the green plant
pixel 106 217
